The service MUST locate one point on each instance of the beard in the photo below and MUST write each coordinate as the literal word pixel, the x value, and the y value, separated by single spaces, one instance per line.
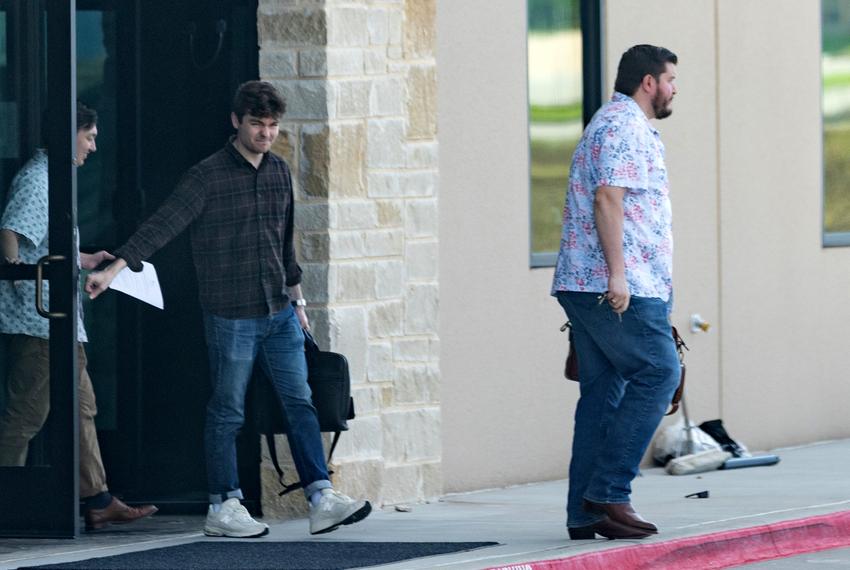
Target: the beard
pixel 661 106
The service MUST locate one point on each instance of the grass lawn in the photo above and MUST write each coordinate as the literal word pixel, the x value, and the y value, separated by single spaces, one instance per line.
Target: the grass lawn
pixel 556 113
pixel 836 154
pixel 550 164
pixel 550 167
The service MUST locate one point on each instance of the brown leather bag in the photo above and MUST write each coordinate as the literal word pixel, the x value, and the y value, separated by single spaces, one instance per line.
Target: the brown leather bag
pixel 571 365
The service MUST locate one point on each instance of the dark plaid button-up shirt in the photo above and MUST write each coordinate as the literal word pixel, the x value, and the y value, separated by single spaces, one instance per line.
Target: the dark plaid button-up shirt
pixel 241 223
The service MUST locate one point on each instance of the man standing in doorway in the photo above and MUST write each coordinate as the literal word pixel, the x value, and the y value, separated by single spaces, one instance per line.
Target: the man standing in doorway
pixel 614 280
pixel 238 204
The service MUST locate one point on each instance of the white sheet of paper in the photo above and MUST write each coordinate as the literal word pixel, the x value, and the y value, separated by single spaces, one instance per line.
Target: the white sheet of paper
pixel 143 285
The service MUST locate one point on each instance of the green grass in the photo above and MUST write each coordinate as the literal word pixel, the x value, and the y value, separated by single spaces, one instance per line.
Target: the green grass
pixel 836 80
pixel 555 113
pixel 550 168
pixel 836 45
pixel 836 154
pixel 550 163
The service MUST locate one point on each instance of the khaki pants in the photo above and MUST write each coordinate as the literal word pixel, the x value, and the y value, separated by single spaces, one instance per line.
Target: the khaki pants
pixel 28 391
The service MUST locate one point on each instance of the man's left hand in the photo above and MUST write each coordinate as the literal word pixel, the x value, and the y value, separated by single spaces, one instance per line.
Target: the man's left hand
pixel 92 260
pixel 301 313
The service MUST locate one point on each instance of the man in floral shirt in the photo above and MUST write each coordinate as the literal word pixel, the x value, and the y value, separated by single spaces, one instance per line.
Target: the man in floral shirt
pixel 614 280
pixel 24 225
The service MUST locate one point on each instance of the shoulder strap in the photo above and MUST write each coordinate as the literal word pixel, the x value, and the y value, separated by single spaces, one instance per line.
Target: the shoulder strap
pixel 333 446
pixel 278 468
pixel 681 347
pixel 298 485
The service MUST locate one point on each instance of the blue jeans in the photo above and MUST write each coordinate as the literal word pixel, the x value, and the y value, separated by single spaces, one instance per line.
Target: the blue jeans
pixel 628 371
pixel 233 346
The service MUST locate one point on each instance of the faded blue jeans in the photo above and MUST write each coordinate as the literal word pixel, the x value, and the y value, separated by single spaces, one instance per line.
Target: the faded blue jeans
pixel 233 345
pixel 628 371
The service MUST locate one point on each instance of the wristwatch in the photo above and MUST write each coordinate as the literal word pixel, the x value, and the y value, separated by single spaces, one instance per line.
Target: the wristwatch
pixel 299 302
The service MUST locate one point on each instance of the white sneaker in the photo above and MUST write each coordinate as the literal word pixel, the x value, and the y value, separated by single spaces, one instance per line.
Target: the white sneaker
pixel 334 510
pixel 233 521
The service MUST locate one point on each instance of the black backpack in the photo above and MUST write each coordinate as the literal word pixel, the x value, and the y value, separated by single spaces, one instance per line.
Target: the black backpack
pixel 330 384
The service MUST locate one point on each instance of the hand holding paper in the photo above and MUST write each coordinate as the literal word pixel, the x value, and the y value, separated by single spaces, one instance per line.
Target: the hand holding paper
pixel 143 285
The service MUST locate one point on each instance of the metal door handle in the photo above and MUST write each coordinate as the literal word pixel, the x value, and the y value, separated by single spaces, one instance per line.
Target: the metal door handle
pixel 39 283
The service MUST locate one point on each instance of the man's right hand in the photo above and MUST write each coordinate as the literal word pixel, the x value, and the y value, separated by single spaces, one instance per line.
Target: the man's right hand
pixel 98 281
pixel 618 294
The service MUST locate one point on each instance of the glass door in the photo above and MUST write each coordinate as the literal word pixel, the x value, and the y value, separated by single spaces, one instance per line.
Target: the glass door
pixel 39 457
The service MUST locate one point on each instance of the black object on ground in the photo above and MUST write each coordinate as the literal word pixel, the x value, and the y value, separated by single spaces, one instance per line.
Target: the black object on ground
pixel 740 458
pixel 698 495
pixel 718 433
pixel 264 554
pixel 751 461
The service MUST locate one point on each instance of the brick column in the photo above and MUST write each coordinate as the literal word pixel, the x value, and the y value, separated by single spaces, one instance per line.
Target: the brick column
pixel 360 84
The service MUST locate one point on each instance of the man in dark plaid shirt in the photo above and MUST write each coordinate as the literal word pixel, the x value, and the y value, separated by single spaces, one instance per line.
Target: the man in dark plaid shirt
pixel 238 206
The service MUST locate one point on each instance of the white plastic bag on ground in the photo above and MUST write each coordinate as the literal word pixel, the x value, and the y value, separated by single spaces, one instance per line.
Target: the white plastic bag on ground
pixel 708 460
pixel 673 441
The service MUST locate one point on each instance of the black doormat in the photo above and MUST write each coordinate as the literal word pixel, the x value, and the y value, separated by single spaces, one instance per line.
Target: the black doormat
pixel 262 555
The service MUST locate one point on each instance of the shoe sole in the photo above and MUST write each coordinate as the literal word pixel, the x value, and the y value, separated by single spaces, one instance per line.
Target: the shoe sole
pixel 356 516
pixel 225 534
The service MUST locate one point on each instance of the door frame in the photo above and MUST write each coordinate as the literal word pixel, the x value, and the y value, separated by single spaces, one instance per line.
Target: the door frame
pixel 43 501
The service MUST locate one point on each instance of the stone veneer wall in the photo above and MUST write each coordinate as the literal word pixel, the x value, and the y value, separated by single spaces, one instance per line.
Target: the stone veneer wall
pixel 359 78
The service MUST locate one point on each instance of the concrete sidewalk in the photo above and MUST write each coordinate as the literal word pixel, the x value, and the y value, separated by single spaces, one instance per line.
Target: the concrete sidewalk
pixel 528 521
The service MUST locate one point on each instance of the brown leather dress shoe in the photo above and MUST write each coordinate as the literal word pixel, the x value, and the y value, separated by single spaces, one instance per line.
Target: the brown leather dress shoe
pixel 622 513
pixel 607 528
pixel 116 513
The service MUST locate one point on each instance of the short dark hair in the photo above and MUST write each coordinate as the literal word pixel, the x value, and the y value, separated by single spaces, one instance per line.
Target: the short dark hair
pixel 258 98
pixel 86 118
pixel 638 62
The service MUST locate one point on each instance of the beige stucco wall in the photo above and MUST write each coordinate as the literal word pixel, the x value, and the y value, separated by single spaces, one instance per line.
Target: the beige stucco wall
pixel 505 408
pixel 690 136
pixel 744 156
pixel 784 297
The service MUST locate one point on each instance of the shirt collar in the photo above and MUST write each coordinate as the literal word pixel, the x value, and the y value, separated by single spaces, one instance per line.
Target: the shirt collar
pixel 237 156
pixel 633 108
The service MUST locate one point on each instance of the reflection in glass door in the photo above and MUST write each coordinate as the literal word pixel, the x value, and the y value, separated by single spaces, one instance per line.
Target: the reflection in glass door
pixel 564 90
pixel 835 61
pixel 97 186
pixel 555 87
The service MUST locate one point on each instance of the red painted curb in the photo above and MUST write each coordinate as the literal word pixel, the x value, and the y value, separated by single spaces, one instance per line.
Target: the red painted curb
pixel 716 550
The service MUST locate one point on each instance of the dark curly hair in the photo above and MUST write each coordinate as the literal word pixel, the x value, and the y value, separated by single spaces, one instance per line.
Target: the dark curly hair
pixel 258 98
pixel 86 118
